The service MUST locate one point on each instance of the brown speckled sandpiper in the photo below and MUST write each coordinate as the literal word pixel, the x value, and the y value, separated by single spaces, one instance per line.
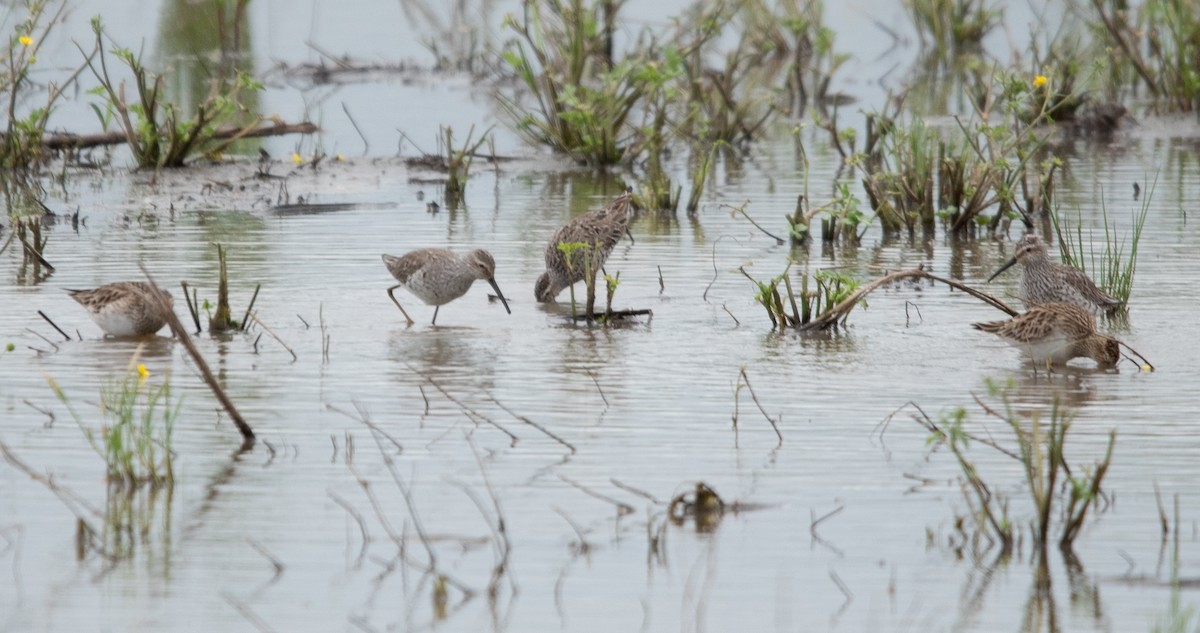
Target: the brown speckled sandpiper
pixel 1056 332
pixel 1044 281
pixel 600 229
pixel 125 308
pixel 438 276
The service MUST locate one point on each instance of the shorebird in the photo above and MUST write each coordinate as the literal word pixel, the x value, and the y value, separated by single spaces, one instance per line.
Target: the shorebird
pixel 438 276
pixel 1054 333
pixel 1044 281
pixel 125 308
pixel 599 230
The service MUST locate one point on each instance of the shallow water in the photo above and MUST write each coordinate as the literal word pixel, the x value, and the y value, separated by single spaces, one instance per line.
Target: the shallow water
pixel 647 404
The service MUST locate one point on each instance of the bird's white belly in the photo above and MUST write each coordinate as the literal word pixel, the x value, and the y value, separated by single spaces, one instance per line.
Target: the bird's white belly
pixel 1056 348
pixel 115 323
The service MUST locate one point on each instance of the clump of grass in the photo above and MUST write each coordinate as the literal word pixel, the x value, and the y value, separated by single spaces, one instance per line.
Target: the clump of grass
pixel 135 439
pixel 953 27
pixel 26 216
pixel 1114 268
pixel 995 156
pixel 686 88
pixel 1061 494
pixel 1155 45
pixel 831 288
pixel 157 132
pixel 899 178
pixel 458 163
pixel 563 56
pixel 728 101
pixel 844 217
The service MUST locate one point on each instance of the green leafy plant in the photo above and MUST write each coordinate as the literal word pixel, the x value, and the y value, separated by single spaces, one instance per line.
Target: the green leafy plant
pixel 157 132
pixel 900 170
pixel 583 98
pixel 21 143
pixel 135 440
pixel 831 288
pixel 1062 494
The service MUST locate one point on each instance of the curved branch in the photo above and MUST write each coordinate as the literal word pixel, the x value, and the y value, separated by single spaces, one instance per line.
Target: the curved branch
pixel 839 311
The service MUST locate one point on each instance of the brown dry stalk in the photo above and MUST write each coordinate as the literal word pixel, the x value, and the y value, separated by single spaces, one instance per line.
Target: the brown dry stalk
pixel 206 373
pixel 83 141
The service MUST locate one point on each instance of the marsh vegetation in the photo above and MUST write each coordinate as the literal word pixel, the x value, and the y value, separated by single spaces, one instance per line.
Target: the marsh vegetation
pixel 847 185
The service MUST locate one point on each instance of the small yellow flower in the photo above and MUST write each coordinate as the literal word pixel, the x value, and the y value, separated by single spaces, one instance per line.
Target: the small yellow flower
pixel 340 158
pixel 1039 81
pixel 25 40
pixel 1147 368
pixel 296 158
pixel 143 373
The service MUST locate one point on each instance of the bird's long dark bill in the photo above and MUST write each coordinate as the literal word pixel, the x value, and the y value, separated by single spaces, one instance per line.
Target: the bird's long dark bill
pixel 500 294
pixel 1003 268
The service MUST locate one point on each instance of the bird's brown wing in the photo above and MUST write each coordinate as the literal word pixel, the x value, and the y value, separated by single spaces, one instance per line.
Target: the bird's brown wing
pixel 404 266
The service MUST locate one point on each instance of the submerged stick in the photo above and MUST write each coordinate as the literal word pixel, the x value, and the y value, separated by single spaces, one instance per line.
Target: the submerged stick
pixel 471 413
pixel 272 333
pixel 36 255
pixel 615 314
pixel 754 396
pixel 742 209
pixel 53 325
pixel 192 307
pixel 246 317
pixel 248 436
pixel 535 425
pixel 83 141
pixel 622 507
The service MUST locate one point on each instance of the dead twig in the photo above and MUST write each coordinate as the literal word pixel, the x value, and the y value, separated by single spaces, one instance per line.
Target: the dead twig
pixel 535 425
pixel 742 210
pixel 622 507
pixel 362 526
pixel 246 316
pixel 471 413
pixel 84 141
pixel 746 379
pixel 53 325
pixel 269 331
pixel 206 373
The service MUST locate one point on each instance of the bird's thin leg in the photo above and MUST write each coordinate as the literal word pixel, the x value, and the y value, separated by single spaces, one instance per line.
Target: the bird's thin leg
pixel 391 294
pixel 435 311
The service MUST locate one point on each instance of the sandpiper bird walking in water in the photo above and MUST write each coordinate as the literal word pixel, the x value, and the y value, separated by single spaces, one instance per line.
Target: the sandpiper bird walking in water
pixel 1054 333
pixel 125 308
pixel 1044 281
pixel 438 276
pixel 599 230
